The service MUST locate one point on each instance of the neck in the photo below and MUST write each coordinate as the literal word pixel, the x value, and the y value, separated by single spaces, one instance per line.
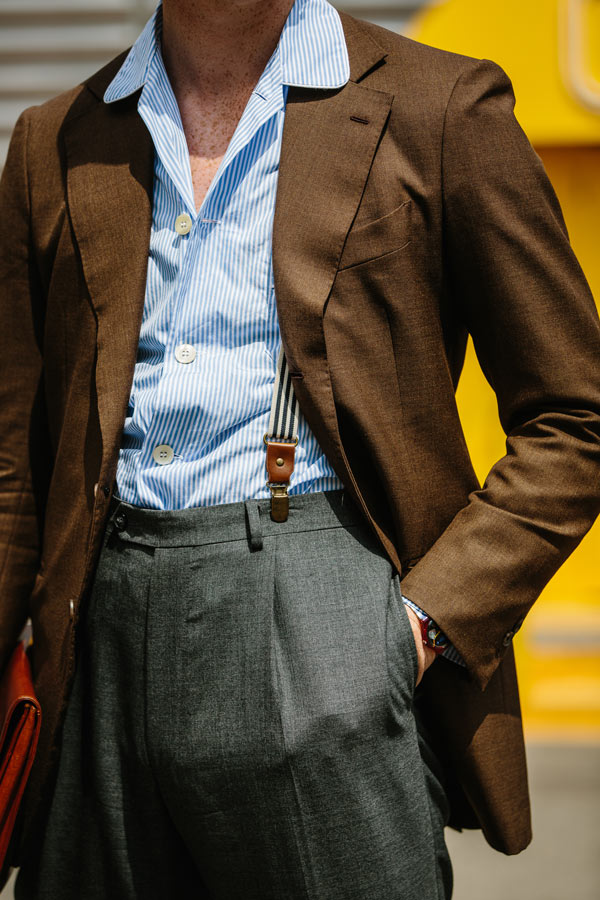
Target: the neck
pixel 215 46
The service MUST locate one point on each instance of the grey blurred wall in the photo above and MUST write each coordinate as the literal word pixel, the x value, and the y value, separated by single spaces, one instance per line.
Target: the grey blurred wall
pixel 47 46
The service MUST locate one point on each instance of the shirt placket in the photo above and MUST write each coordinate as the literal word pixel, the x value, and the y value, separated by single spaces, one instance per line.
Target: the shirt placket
pixel 191 227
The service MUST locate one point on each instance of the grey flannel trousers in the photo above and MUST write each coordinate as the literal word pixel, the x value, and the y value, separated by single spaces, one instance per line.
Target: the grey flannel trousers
pixel 241 723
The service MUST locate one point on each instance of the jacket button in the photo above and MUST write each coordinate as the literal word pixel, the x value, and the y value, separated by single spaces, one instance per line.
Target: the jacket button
pixel 106 490
pixel 508 638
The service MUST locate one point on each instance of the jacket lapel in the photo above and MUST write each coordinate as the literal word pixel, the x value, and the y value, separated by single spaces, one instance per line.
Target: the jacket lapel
pixel 109 183
pixel 329 141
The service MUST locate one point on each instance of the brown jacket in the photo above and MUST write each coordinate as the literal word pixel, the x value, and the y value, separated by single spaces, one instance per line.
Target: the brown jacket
pixel 411 210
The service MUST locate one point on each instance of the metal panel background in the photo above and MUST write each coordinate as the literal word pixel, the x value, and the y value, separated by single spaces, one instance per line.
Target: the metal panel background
pixel 47 46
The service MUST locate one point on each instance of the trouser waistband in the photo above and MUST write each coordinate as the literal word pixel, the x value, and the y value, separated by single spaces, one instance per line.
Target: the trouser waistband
pixel 245 520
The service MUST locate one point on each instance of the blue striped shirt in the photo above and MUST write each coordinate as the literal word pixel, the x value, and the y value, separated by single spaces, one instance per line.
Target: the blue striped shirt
pixel 209 339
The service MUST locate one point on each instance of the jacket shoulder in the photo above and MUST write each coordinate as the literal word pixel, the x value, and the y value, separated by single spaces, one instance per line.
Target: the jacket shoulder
pixel 49 117
pixel 413 56
pixel 38 137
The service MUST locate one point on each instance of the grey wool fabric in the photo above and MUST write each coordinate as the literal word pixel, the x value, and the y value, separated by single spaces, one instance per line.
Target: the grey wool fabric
pixel 244 702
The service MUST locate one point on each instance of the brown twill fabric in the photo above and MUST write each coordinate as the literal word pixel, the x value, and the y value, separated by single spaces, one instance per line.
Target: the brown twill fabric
pixel 410 210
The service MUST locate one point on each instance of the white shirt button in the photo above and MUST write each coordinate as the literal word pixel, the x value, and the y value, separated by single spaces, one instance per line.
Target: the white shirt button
pixel 163 454
pixel 185 353
pixel 183 224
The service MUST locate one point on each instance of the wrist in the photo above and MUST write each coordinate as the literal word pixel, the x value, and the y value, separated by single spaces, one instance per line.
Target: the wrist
pixel 425 655
pixel 432 636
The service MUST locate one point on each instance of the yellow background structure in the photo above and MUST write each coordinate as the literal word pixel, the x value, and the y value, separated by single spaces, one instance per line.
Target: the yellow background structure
pixel 551 51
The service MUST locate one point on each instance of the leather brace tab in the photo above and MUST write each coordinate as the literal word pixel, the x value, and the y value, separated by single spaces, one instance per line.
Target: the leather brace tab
pixel 280 461
pixel 280 465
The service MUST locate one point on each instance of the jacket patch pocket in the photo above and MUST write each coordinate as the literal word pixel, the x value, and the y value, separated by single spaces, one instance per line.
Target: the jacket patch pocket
pixel 377 238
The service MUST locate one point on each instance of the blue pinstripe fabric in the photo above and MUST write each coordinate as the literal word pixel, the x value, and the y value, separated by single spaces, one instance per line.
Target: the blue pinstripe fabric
pixel 213 287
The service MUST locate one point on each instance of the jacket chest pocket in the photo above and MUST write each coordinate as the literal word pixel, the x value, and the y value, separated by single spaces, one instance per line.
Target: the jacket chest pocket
pixel 378 238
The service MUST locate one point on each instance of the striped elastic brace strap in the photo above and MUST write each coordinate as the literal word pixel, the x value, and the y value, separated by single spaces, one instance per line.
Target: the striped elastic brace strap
pixel 281 440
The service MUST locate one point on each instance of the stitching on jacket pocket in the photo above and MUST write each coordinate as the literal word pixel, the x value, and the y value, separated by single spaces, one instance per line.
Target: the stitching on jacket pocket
pixel 377 238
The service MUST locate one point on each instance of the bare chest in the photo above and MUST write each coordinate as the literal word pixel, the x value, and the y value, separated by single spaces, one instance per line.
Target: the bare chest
pixel 208 132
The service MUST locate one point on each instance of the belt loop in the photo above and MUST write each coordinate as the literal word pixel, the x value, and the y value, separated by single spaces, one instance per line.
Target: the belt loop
pixel 254 525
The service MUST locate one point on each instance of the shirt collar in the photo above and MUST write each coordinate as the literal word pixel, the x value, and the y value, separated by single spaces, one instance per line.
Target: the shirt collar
pixel 134 71
pixel 312 51
pixel 312 46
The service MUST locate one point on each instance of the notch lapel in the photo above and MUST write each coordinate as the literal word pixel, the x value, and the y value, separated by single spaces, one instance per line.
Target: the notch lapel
pixel 109 188
pixel 329 141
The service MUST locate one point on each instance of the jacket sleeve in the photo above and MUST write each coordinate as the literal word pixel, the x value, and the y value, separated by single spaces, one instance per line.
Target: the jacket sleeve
pixel 516 284
pixel 24 454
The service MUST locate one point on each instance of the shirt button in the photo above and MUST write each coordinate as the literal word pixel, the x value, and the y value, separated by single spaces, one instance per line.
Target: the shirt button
pixel 185 353
pixel 183 224
pixel 163 454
